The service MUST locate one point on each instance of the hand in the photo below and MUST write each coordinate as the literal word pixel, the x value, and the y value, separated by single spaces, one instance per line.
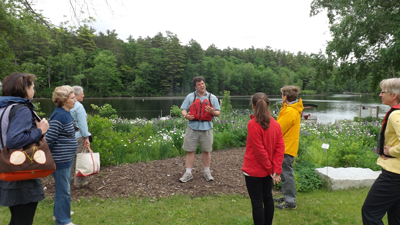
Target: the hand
pixel 386 150
pixel 189 117
pixel 276 178
pixel 43 125
pixel 87 142
pixel 210 109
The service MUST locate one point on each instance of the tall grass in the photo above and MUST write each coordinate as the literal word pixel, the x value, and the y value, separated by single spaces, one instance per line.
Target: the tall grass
pixel 320 207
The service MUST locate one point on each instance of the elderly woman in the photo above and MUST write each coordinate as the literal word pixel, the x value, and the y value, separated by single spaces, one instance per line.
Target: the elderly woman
pixel 79 116
pixel 384 195
pixel 21 197
pixel 62 143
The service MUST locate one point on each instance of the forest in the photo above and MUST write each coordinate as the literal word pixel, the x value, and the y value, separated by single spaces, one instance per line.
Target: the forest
pixel 106 66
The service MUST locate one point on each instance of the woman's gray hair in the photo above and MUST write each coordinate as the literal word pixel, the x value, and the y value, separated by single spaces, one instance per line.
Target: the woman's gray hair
pixel 77 90
pixel 391 86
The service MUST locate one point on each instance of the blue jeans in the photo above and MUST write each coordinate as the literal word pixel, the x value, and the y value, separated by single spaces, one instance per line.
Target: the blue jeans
pixel 288 181
pixel 62 196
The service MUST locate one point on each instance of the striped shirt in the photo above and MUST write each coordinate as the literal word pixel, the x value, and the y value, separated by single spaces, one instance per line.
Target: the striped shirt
pixel 61 138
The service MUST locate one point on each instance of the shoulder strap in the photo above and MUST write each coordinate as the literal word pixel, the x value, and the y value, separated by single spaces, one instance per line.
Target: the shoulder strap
pixel 7 112
pixel 53 116
pixel 11 114
pixel 209 98
pixel 194 96
pixel 381 138
pixel 13 111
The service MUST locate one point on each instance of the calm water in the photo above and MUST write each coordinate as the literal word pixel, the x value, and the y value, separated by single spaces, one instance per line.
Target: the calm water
pixel 330 107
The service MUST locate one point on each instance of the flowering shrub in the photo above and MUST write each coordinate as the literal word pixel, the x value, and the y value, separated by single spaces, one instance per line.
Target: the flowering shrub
pixel 350 143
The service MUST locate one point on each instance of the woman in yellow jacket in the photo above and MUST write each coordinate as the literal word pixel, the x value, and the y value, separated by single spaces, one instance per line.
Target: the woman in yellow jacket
pixel 289 119
pixel 384 195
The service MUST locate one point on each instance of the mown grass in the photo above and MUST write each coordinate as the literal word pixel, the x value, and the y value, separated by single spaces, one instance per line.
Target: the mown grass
pixel 317 207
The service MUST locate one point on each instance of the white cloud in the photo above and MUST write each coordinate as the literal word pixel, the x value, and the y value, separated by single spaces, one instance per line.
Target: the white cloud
pixel 283 24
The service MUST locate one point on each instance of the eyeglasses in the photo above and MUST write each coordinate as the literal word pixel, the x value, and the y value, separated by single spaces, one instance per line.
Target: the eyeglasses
pixel 383 92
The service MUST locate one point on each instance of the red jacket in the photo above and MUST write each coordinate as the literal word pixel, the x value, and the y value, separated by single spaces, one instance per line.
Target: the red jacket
pixel 264 149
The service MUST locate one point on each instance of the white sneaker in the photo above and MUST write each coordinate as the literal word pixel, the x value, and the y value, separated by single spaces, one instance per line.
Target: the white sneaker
pixel 186 177
pixel 207 176
pixel 70 223
pixel 71 213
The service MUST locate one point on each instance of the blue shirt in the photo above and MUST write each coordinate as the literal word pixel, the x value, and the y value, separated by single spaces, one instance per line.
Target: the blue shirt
pixel 79 116
pixel 200 125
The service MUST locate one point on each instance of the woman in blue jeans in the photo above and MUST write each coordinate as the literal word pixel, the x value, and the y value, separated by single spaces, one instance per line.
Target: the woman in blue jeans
pixel 62 143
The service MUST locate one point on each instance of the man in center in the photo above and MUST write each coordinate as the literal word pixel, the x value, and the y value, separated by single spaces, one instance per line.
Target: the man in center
pixel 199 107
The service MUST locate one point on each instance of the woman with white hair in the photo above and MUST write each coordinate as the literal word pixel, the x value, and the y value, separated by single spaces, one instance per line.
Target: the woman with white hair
pixel 79 116
pixel 384 195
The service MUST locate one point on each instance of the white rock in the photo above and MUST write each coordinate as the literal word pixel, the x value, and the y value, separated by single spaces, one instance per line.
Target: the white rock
pixel 345 178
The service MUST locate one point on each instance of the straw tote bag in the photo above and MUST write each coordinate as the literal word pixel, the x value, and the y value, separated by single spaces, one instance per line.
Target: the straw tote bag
pixel 30 162
pixel 87 163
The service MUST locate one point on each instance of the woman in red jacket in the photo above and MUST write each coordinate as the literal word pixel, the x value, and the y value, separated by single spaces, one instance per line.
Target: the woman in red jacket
pixel 263 159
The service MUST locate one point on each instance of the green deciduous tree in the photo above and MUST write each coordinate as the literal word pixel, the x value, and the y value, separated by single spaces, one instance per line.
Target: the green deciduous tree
pixel 366 35
pixel 104 76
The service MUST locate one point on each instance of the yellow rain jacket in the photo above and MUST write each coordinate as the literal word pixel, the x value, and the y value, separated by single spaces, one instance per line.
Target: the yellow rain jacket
pixel 289 118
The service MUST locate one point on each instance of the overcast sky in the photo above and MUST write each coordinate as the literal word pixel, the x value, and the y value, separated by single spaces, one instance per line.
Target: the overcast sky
pixel 280 24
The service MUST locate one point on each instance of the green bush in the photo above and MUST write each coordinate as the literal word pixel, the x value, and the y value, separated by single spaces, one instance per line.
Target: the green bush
pixel 106 110
pixel 226 106
pixel 350 144
pixel 306 178
pixel 176 111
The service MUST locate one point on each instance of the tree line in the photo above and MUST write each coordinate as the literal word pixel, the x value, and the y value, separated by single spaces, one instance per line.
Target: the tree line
pixel 105 66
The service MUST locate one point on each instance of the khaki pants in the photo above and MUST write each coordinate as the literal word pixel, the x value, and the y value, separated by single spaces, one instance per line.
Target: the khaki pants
pixel 81 148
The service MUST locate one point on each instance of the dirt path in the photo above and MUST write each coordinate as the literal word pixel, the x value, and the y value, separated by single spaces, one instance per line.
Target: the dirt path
pixel 160 178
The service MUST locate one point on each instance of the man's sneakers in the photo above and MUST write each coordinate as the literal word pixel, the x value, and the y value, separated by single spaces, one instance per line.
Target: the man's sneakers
pixel 283 205
pixel 207 176
pixel 186 177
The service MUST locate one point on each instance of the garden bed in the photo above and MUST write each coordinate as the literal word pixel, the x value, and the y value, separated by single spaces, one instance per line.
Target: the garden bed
pixel 160 178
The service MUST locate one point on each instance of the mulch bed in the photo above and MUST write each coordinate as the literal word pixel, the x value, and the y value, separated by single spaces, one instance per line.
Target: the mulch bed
pixel 160 178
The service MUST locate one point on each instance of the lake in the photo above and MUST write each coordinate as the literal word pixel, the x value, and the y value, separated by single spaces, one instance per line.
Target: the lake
pixel 330 107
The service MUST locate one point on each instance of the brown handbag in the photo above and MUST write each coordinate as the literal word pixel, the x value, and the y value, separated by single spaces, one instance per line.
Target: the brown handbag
pixel 30 162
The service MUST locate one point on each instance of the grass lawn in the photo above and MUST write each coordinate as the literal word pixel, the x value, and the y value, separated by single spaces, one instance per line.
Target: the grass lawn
pixel 318 207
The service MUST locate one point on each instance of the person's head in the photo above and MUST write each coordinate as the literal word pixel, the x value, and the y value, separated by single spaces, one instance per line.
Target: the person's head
pixel 390 91
pixel 63 96
pixel 19 85
pixel 260 104
pixel 199 85
pixel 78 91
pixel 290 93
